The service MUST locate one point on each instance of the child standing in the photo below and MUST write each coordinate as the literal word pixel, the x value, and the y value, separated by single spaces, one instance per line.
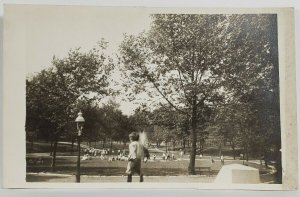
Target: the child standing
pixel 136 154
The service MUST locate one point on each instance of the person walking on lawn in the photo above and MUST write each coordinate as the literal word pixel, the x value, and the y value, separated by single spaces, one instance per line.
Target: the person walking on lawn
pixel 137 153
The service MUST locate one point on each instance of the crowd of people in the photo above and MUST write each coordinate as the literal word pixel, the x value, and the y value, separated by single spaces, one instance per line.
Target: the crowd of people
pixel 121 155
pixel 168 156
pixel 104 154
pixel 112 155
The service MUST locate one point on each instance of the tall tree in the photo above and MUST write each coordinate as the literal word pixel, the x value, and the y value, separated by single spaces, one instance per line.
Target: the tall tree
pixel 252 76
pixel 52 94
pixel 175 59
pixel 193 61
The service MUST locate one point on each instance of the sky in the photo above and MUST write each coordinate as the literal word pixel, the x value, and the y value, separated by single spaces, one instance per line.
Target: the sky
pixel 54 30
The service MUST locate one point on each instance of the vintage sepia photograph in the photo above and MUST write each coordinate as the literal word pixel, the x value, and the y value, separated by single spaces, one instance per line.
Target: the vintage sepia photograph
pixel 124 95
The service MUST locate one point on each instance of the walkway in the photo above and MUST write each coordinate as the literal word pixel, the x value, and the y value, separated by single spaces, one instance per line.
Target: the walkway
pixel 61 178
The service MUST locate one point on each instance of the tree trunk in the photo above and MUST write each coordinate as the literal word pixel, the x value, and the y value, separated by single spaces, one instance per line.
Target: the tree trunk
pixel 275 61
pixel 220 149
pixel 166 146
pixel 266 159
pixel 193 153
pixel 110 144
pixel 202 148
pixel 54 155
pixel 278 165
pixel 51 147
pixel 247 153
pixel 233 149
pixel 191 168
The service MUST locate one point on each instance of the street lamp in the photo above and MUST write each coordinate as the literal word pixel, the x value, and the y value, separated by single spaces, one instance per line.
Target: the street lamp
pixel 80 121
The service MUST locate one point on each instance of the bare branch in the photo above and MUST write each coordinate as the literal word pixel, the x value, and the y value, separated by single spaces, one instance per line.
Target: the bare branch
pixel 162 94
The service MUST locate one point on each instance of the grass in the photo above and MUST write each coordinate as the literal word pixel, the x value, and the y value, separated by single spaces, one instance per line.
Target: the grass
pixel 66 164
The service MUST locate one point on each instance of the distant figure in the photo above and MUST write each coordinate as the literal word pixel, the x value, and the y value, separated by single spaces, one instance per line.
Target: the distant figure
pixel 181 154
pixel 168 156
pixel 163 156
pixel 200 156
pixel 135 157
pixel 146 153
pixel 173 157
pixel 124 158
pixel 241 156
pixel 261 159
pixel 154 157
pixel 222 159
pixel 86 157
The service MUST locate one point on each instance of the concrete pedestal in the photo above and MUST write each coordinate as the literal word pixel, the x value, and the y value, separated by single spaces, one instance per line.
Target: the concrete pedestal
pixel 237 173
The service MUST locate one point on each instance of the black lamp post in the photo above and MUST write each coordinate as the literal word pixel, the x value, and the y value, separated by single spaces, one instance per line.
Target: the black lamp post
pixel 80 121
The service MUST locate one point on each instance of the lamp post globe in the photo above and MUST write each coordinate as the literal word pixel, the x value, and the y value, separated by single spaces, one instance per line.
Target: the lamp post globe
pixel 80 121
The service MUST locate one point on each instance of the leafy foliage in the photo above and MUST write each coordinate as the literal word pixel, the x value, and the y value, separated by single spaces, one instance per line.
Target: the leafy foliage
pixel 198 64
pixel 52 95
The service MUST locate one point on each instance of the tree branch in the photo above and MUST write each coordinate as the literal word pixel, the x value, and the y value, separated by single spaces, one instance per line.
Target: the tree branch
pixel 188 100
pixel 163 95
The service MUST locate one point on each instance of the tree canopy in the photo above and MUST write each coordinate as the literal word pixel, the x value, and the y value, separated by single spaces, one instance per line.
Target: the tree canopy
pixel 53 95
pixel 200 74
pixel 197 63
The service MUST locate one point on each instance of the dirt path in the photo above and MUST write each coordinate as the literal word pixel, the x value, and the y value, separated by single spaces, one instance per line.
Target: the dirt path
pixel 59 178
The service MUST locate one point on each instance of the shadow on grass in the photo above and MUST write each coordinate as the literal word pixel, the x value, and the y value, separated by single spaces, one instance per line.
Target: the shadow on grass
pixel 33 178
pixel 110 171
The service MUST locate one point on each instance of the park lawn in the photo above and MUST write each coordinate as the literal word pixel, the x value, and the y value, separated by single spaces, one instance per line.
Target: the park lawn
pixel 66 164
pixel 64 149
pixel 96 166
